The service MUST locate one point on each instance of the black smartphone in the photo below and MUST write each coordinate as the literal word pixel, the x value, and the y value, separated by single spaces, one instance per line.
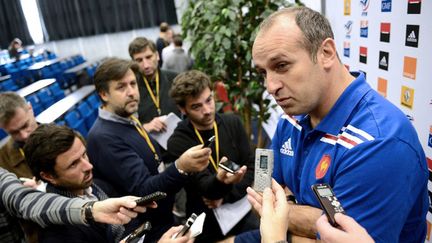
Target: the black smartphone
pixel 150 198
pixel 328 201
pixel 186 226
pixel 209 142
pixel 229 166
pixel 138 233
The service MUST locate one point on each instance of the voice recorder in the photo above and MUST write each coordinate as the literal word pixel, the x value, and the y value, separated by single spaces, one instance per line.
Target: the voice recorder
pixel 138 233
pixel 150 198
pixel 186 226
pixel 209 142
pixel 329 202
pixel 263 169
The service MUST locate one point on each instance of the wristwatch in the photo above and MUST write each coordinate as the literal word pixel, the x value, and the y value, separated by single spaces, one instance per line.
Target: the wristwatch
pixel 87 209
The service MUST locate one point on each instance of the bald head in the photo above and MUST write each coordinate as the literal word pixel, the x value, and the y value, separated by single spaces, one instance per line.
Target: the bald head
pixel 315 27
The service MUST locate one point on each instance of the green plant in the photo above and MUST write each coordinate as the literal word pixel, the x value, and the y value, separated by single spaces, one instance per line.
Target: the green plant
pixel 221 33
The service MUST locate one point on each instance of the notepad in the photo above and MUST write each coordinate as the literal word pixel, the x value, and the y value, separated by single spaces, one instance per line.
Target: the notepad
pixel 171 121
pixel 229 214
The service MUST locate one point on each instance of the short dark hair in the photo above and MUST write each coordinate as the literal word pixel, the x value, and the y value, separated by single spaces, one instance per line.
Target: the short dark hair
pixel 314 26
pixel 178 40
pixel 45 144
pixel 110 70
pixel 9 103
pixel 189 83
pixel 139 44
pixel 163 27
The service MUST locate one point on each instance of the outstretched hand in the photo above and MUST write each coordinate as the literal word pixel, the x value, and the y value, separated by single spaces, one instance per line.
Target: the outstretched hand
pixel 195 159
pixel 229 178
pixel 117 210
pixel 274 211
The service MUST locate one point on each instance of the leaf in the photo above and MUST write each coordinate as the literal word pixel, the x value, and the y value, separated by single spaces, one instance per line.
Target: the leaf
pixel 221 33
pixel 226 43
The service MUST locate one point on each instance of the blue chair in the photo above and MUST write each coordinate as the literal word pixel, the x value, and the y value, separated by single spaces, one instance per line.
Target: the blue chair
pixel 56 91
pixel 60 122
pixel 10 85
pixel 79 59
pixel 52 56
pixel 74 121
pixel 46 72
pixel 35 102
pixel 46 97
pixel 87 114
pixel 94 101
pixel 3 134
pixel 39 58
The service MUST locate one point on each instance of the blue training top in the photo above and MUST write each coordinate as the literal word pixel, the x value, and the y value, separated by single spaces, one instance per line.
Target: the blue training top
pixel 369 152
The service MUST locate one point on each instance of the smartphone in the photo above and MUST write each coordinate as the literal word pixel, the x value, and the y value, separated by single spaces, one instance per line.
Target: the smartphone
pixel 328 201
pixel 229 166
pixel 138 233
pixel 263 169
pixel 186 226
pixel 209 142
pixel 24 179
pixel 150 198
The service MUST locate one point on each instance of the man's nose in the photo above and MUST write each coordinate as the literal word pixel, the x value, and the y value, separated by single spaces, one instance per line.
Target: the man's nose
pixel 207 108
pixel 87 165
pixel 24 134
pixel 273 84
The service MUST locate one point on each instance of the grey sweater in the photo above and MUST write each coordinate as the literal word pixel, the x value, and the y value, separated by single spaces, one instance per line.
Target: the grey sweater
pixel 42 208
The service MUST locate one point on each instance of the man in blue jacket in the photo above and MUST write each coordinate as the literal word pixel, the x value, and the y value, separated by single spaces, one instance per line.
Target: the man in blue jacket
pixel 124 155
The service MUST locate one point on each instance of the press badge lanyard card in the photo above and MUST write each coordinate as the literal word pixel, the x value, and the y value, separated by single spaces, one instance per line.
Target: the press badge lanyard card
pixel 143 133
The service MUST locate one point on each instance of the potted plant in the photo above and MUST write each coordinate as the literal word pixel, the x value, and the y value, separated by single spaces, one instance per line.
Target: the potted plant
pixel 221 33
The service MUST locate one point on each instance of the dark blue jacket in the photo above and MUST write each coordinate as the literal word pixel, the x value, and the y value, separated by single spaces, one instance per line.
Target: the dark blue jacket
pixel 122 157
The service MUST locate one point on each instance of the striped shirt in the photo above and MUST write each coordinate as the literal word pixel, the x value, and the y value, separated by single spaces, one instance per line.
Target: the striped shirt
pixel 42 208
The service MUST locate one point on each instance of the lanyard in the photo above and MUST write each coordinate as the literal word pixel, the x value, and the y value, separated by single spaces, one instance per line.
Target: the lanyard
pixel 215 165
pixel 144 134
pixel 21 152
pixel 152 95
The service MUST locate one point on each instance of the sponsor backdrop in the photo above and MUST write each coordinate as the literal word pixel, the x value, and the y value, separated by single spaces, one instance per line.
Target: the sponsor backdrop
pixel 391 42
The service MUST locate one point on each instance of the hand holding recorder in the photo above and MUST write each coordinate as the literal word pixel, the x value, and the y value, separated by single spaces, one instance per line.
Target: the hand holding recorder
pixel 349 231
pixel 195 159
pixel 229 172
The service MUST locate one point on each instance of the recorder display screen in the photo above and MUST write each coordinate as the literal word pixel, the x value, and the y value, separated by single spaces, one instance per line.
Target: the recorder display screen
pixel 263 161
pixel 325 192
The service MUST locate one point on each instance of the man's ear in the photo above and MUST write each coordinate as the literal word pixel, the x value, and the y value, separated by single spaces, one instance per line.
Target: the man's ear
pixel 328 53
pixel 103 95
pixel 182 109
pixel 48 177
pixel 30 108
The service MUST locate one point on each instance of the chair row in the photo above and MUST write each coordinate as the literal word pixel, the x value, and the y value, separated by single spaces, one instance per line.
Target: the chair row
pixel 9 85
pixel 83 115
pixel 57 70
pixel 45 97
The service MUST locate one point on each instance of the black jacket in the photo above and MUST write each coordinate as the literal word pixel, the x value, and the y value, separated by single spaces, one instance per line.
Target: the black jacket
pixel 234 144
pixel 147 109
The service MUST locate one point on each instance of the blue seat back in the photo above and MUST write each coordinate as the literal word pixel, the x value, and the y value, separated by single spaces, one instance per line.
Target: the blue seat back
pixel 46 97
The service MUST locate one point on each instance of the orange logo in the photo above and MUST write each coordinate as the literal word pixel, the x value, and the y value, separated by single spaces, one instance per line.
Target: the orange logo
pixel 382 86
pixel 322 167
pixel 347 7
pixel 428 230
pixel 410 66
